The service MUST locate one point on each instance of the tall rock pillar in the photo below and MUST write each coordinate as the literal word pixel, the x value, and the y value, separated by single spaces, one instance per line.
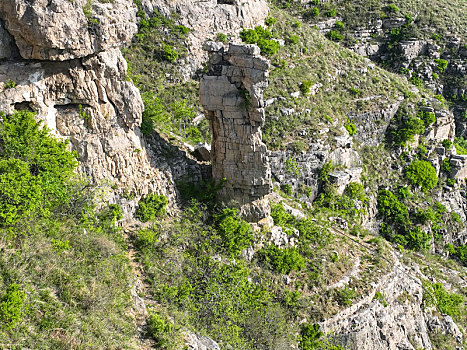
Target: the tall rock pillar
pixel 232 97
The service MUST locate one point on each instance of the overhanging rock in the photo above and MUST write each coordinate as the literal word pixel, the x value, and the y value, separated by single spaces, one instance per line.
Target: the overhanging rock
pixel 232 97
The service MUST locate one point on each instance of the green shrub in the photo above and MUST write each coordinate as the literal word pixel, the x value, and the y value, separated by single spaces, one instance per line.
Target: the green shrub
pixel 446 165
pixel 344 296
pixel 287 189
pixel 305 86
pixel 407 129
pixel 461 145
pixel 392 8
pixel 427 117
pixel 331 13
pixel 436 295
pixel 350 127
pixel 416 80
pixel 311 13
pixel 282 260
pixel 147 238
pixel 262 37
pixel 268 47
pixel 293 39
pixel 10 84
pixel 159 328
pixel 221 37
pixel 291 167
pixel 441 65
pixel 236 233
pixel 34 169
pixel 249 36
pixel 355 190
pixel 11 306
pixel 169 53
pixel 325 171
pixel 339 26
pixel 381 297
pixel 421 173
pixel 334 35
pixel 391 208
pixel 270 21
pixel 440 98
pixel 309 336
pixel 151 207
pixel 446 144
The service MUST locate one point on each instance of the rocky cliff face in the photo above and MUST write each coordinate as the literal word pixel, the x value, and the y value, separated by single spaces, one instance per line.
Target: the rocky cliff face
pixel 208 18
pixel 232 96
pixel 61 60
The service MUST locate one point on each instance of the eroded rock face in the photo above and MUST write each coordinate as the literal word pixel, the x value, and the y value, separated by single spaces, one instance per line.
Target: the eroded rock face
pixel 60 30
pixel 394 320
pixel 207 18
pixel 84 95
pixel 232 96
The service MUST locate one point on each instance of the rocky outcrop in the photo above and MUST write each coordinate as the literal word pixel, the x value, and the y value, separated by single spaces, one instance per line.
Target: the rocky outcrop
pixel 390 320
pixel 232 96
pixel 60 30
pixel 207 18
pixel 84 95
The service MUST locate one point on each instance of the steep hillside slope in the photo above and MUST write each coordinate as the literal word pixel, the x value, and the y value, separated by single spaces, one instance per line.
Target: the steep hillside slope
pixel 365 245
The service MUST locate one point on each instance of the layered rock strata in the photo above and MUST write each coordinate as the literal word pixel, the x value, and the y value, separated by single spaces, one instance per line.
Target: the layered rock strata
pixel 232 96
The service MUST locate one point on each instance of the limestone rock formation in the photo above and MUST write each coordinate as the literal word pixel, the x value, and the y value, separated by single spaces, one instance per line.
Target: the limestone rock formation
pixel 207 18
pixel 232 96
pixel 390 321
pixel 84 95
pixel 60 30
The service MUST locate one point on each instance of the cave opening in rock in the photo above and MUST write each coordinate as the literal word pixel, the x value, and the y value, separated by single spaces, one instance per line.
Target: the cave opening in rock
pixel 226 2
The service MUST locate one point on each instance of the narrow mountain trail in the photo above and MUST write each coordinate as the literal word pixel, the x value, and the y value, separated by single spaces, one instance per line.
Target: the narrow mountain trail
pixel 140 290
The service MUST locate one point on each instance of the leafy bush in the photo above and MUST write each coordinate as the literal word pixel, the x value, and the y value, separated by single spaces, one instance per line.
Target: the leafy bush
pixel 282 260
pixel 331 13
pixel 293 39
pixel 311 13
pixel 305 86
pixel 391 208
pixel 339 26
pixel 159 328
pixel 446 165
pixel 34 169
pixel 262 37
pixel 270 21
pixel 309 336
pixel 249 36
pixel 447 144
pixel 325 171
pixel 11 306
pixel 169 53
pixel 151 207
pixel 146 238
pixel 392 8
pixel 427 117
pixel 334 35
pixel 407 129
pixel 421 173
pixel 236 233
pixel 287 189
pixel 441 64
pixel 350 127
pixel 221 37
pixel 344 296
pixel 436 295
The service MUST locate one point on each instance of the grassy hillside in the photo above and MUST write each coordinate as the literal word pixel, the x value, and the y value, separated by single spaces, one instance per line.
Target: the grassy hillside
pixel 64 275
